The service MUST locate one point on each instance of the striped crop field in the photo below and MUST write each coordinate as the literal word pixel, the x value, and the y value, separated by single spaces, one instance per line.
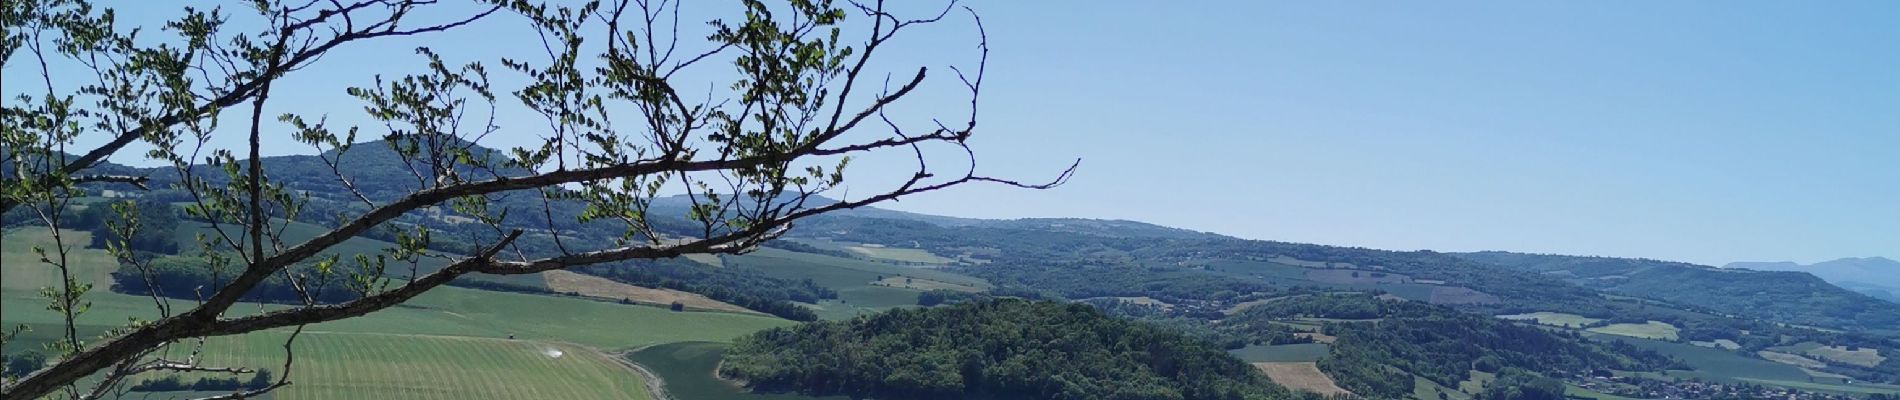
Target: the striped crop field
pixel 335 365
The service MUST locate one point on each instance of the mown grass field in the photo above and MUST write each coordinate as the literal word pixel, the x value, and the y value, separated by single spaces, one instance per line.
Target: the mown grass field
pixel 1554 319
pixel 1304 352
pixel 1301 376
pixel 1258 269
pixel 1479 379
pixel 452 311
pixel 688 367
pixel 1791 359
pixel 854 280
pixel 1865 357
pixel 603 288
pixel 297 232
pixel 336 365
pixel 1573 390
pixel 1856 389
pixel 1651 330
pixel 450 343
pixel 898 254
pixel 25 272
pixel 1425 389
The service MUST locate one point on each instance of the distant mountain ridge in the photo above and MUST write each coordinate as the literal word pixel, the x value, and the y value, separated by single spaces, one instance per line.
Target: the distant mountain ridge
pixel 1052 244
pixel 1791 296
pixel 1874 276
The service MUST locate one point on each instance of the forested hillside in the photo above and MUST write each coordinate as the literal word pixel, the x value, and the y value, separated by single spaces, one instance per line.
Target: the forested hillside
pixel 1052 257
pixel 1792 297
pixel 1002 349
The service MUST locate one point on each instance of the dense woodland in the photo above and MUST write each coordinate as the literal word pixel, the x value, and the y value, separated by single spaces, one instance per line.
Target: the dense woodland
pixel 1000 349
pixel 189 277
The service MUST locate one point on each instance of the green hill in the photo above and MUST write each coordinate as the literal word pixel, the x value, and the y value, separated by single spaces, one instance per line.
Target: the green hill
pixel 1004 349
pixel 1790 297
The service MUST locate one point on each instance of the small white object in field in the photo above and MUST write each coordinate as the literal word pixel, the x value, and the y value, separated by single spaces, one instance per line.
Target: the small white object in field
pixel 553 352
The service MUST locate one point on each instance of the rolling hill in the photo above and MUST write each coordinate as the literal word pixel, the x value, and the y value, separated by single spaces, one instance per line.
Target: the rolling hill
pixel 1791 297
pixel 864 263
pixel 1874 276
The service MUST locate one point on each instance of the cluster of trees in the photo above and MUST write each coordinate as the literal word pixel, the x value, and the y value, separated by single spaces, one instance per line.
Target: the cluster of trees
pixel 14 366
pixel 21 216
pixel 750 290
pixel 192 278
pixel 945 296
pixel 157 225
pixel 174 383
pixel 999 349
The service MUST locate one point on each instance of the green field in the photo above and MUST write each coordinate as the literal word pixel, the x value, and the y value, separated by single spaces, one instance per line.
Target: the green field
pixel 1714 364
pixel 1725 366
pixel 453 311
pixel 297 232
pixel 1304 352
pixel 1425 389
pixel 854 280
pixel 688 367
pixel 23 272
pixel 898 254
pixel 1650 330
pixel 1479 379
pixel 1270 271
pixel 1829 388
pixel 1865 357
pixel 1410 291
pixel 1554 319
pixel 332 365
pixel 448 343
pixel 1574 391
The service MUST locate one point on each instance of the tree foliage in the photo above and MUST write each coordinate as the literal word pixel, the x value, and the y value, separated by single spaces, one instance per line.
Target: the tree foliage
pixel 999 349
pixel 619 127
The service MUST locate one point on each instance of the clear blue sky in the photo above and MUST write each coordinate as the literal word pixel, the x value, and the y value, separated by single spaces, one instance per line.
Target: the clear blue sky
pixel 1708 132
pixel 1699 131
